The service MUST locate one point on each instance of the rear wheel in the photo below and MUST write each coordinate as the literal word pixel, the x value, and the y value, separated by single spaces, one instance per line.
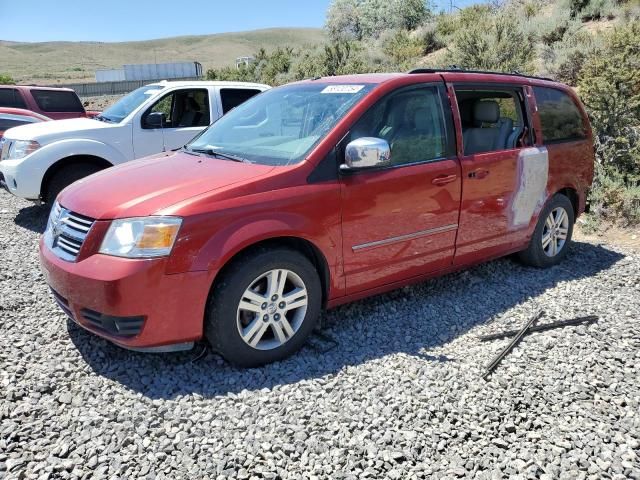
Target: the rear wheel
pixel 552 235
pixel 264 307
pixel 65 177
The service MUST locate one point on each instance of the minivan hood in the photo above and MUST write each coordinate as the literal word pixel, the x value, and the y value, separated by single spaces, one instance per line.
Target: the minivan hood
pixel 144 187
pixel 56 129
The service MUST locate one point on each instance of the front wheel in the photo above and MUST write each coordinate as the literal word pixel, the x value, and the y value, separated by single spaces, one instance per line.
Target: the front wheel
pixel 552 235
pixel 264 307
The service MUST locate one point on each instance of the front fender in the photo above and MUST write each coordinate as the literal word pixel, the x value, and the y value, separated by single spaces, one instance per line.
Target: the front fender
pixel 24 176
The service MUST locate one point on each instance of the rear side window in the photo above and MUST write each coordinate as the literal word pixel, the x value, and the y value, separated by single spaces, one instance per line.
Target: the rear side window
pixel 232 97
pixel 560 117
pixel 57 101
pixel 10 97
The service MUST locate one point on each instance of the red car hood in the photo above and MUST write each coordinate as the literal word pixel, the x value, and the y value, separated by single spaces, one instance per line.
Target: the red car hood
pixel 146 186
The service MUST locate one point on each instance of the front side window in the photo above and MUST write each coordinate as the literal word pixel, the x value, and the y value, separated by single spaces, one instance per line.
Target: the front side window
pixel 560 117
pixel 412 121
pixel 57 101
pixel 182 108
pixel 11 98
pixel 282 125
pixel 127 104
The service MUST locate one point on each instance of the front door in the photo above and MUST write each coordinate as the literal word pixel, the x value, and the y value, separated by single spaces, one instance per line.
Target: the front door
pixel 401 221
pixel 503 178
pixel 187 112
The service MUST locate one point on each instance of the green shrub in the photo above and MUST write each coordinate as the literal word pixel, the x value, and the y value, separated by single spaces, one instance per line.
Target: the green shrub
pixel 494 43
pixel 361 19
pixel 610 88
pixel 402 48
pixel 6 80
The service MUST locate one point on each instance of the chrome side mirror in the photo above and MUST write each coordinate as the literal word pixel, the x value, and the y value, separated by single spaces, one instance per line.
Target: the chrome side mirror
pixel 366 152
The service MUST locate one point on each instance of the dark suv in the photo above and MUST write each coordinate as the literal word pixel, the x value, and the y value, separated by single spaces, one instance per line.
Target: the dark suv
pixel 55 103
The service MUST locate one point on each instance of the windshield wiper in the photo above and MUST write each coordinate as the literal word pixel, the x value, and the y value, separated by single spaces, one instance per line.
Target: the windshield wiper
pixel 214 153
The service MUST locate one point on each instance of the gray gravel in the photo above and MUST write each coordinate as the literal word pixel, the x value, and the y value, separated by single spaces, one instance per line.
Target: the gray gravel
pixel 400 397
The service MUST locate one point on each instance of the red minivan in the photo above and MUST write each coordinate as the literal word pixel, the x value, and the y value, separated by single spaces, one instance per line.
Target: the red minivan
pixel 53 102
pixel 315 194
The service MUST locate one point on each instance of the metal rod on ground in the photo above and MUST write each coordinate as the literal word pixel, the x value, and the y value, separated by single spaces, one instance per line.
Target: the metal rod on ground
pixel 496 361
pixel 588 320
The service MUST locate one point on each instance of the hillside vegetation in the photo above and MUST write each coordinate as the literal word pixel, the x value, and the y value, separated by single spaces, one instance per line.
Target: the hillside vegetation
pixel 593 45
pixel 65 62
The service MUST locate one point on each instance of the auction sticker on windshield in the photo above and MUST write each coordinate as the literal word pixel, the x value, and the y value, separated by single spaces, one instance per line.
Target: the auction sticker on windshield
pixel 343 89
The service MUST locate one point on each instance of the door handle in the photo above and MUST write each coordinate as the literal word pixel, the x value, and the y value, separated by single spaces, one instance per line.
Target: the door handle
pixel 479 173
pixel 444 179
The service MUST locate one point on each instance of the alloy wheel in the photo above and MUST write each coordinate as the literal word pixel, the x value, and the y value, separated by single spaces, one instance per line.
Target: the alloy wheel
pixel 555 232
pixel 272 309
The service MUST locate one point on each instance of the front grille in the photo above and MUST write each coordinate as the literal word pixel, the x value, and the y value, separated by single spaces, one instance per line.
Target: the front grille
pixel 117 326
pixel 62 303
pixel 67 232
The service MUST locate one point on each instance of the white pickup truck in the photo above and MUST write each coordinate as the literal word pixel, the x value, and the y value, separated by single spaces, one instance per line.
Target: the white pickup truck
pixel 37 161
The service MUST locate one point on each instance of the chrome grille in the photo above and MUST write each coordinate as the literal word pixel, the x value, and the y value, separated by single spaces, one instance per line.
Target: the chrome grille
pixel 66 232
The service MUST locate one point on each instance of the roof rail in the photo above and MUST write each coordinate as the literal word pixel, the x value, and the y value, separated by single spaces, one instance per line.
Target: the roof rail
pixel 456 69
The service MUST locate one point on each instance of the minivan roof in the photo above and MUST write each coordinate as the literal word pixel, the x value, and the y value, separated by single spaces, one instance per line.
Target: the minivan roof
pixel 446 74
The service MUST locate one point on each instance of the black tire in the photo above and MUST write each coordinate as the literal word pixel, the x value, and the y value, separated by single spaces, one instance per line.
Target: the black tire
pixel 221 319
pixel 65 177
pixel 535 255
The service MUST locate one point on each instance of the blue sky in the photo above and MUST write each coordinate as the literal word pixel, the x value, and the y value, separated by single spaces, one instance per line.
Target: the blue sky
pixel 122 20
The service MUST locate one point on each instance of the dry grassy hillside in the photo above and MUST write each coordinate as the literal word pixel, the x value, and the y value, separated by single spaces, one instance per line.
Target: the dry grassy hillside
pixel 65 62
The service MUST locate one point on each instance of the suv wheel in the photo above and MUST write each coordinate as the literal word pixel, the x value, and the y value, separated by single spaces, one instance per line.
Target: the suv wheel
pixel 552 235
pixel 65 177
pixel 264 307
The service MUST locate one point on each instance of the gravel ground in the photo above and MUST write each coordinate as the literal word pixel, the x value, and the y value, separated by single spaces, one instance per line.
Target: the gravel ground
pixel 399 397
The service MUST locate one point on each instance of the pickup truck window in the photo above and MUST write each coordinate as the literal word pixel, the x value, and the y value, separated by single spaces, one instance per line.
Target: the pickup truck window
pixel 232 97
pixel 57 101
pixel 282 125
pixel 10 97
pixel 183 108
pixel 127 104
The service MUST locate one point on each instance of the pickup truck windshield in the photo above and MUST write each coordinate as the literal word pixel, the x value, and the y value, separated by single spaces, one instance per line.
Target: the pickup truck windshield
pixel 127 104
pixel 280 126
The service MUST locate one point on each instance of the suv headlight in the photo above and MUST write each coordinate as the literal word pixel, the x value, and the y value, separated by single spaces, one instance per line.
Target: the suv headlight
pixel 16 149
pixel 143 237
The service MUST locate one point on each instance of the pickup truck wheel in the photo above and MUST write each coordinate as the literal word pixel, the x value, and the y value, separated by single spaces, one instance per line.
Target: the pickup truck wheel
pixel 65 177
pixel 552 235
pixel 264 307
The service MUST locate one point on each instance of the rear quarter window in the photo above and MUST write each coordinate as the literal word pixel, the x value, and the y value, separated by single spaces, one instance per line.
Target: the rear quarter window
pixel 232 97
pixel 560 116
pixel 57 101
pixel 11 98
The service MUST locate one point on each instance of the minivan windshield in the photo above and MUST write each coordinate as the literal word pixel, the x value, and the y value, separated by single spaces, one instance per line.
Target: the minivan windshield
pixel 127 104
pixel 279 126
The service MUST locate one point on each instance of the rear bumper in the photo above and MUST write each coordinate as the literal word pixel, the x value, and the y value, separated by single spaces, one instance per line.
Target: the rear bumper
pixel 131 303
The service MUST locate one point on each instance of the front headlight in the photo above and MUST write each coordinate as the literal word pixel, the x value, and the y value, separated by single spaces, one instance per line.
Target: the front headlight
pixel 141 237
pixel 16 149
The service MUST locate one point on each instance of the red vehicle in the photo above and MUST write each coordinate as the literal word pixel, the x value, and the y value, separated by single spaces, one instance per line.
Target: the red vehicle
pixel 315 194
pixel 14 117
pixel 52 102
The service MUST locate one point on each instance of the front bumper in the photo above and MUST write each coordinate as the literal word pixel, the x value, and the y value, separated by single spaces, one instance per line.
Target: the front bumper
pixel 20 179
pixel 131 303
